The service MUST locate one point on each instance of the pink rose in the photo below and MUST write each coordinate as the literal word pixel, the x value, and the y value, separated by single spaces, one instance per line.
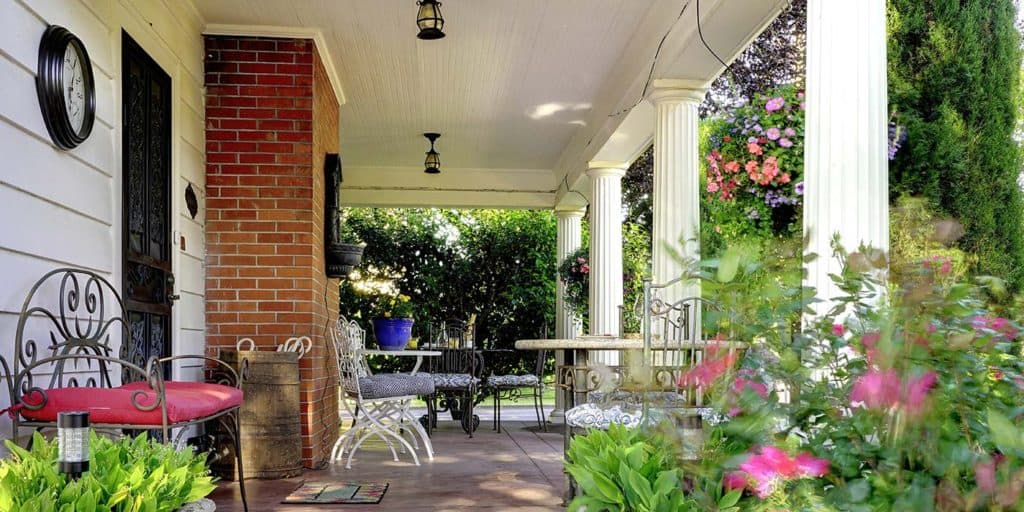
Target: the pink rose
pixel 585 268
pixel 838 329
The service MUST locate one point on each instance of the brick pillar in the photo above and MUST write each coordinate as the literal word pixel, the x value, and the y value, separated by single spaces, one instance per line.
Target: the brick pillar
pixel 270 116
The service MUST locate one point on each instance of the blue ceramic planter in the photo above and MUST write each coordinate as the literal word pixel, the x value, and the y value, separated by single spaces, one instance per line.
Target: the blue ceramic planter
pixel 392 333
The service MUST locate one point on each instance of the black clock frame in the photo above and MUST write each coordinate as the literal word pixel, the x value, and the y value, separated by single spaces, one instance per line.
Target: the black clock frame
pixel 49 87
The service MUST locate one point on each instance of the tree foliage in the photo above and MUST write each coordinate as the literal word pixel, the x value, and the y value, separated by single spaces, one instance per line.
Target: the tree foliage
pixel 497 265
pixel 954 68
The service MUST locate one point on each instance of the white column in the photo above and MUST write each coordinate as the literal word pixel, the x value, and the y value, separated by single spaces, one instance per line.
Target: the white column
pixel 676 201
pixel 846 178
pixel 605 251
pixel 570 238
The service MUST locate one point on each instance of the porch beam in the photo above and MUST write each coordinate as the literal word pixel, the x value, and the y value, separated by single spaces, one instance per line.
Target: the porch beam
pixel 605 250
pixel 676 201
pixel 846 178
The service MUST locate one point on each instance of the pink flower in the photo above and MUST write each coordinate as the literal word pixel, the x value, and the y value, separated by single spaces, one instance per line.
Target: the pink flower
pixel 985 475
pixel 917 391
pixel 712 186
pixel 790 132
pixel 786 143
pixel 732 167
pixel 741 384
pixel 946 267
pixel 877 390
pixel 773 133
pixel 710 370
pixel 727 139
pixel 870 340
pixel 585 268
pixel 775 104
pixel 754 148
pixel 808 465
pixel 838 330
pixel 770 466
pixel 734 480
pixel 784 178
pixel 581 260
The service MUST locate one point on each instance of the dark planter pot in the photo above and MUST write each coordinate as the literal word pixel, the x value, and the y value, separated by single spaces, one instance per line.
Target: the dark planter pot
pixel 342 258
pixel 392 333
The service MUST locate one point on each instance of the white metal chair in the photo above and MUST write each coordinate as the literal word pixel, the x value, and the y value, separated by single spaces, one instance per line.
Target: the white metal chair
pixel 379 404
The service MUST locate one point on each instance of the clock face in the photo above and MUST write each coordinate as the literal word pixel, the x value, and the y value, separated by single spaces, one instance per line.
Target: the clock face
pixel 73 85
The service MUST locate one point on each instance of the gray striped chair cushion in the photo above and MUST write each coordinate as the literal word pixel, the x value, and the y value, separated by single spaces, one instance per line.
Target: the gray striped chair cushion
pixel 513 381
pixel 390 385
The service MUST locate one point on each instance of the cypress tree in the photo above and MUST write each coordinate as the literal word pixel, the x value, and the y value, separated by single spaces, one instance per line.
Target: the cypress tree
pixel 954 68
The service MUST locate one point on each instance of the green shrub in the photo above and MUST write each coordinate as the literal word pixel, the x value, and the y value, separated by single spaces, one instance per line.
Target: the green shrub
pixel 913 244
pixel 954 68
pixel 128 475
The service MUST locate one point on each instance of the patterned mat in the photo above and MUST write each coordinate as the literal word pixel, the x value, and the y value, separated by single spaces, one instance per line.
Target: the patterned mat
pixel 337 492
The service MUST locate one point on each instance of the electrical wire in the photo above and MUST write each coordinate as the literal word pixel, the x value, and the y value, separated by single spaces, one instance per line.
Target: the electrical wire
pixel 700 33
pixel 654 63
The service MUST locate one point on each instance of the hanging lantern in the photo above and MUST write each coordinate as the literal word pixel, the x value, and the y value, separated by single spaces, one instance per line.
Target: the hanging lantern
pixel 73 443
pixel 429 19
pixel 432 165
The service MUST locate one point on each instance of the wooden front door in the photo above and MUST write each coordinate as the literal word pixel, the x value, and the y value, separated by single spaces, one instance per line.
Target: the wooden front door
pixel 146 162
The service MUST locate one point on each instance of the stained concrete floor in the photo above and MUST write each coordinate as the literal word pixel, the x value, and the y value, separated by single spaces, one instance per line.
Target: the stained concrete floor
pixel 518 470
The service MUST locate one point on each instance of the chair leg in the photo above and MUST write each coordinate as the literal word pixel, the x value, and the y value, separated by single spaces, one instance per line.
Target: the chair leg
pixel 494 409
pixel 467 414
pixel 540 401
pixel 238 457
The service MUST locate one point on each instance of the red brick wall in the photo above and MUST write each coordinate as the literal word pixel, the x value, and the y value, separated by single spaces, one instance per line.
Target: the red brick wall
pixel 264 233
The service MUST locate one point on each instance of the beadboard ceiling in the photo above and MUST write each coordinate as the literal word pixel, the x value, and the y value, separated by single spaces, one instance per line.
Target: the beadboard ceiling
pixel 515 86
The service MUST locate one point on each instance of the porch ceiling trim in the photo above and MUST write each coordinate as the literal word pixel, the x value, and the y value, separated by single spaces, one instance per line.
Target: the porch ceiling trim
pixel 453 188
pixel 221 29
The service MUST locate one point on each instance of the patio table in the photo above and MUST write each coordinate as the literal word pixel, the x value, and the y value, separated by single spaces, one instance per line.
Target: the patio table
pixel 418 354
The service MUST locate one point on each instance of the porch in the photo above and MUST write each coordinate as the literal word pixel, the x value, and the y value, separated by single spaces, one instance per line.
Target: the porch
pixel 518 470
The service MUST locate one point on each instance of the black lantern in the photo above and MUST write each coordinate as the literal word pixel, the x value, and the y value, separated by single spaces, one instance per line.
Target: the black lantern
pixel 73 443
pixel 429 19
pixel 432 165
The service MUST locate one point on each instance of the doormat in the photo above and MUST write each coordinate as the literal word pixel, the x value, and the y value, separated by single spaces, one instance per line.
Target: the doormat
pixel 337 492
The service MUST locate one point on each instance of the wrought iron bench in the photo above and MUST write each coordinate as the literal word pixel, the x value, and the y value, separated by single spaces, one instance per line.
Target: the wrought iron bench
pixel 78 370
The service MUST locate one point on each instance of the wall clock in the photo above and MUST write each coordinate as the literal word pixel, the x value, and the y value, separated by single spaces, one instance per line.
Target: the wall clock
pixel 64 83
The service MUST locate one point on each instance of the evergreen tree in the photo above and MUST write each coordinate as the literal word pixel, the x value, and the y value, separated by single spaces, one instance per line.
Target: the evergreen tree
pixel 953 82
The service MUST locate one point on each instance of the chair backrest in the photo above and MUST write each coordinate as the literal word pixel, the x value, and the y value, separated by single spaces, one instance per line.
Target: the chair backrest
pixel 452 334
pixel 349 340
pixel 673 341
pixel 76 316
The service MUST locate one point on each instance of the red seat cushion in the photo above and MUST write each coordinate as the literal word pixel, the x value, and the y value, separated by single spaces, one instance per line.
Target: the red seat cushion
pixel 186 401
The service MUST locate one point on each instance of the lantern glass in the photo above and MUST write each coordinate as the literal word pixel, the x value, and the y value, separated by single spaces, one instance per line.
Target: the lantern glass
pixel 73 442
pixel 429 20
pixel 432 163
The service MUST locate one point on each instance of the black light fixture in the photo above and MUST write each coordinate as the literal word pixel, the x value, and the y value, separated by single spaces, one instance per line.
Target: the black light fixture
pixel 432 165
pixel 429 20
pixel 73 443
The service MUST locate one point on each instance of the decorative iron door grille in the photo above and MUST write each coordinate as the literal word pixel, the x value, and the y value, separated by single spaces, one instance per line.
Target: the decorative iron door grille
pixel 146 160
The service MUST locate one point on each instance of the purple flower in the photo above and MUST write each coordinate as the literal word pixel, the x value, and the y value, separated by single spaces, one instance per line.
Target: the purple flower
pixel 758 128
pixel 775 104
pixel 786 143
pixel 753 214
pixel 751 139
pixel 790 132
pixel 799 187
pixel 774 133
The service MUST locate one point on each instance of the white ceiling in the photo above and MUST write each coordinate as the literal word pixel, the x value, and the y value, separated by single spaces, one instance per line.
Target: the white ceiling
pixel 516 84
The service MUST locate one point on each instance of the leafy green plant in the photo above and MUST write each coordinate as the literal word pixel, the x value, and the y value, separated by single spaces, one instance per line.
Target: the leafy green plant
pixel 128 475
pixel 623 469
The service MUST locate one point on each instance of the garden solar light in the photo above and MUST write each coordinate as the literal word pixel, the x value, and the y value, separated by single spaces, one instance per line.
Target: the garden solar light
pixel 73 443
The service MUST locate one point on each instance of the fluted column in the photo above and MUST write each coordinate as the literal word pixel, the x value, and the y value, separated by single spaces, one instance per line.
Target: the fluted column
pixel 846 178
pixel 570 238
pixel 605 251
pixel 676 201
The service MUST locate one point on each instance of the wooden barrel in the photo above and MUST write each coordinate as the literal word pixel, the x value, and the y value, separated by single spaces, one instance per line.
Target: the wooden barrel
pixel 271 425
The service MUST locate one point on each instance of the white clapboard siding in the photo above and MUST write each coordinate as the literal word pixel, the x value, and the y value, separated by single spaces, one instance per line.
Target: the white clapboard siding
pixel 64 207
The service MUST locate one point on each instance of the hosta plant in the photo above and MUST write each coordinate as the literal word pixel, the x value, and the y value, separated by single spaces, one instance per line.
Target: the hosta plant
pixel 127 475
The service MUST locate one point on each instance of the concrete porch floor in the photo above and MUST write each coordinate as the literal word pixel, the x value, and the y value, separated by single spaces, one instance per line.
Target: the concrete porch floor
pixel 517 470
